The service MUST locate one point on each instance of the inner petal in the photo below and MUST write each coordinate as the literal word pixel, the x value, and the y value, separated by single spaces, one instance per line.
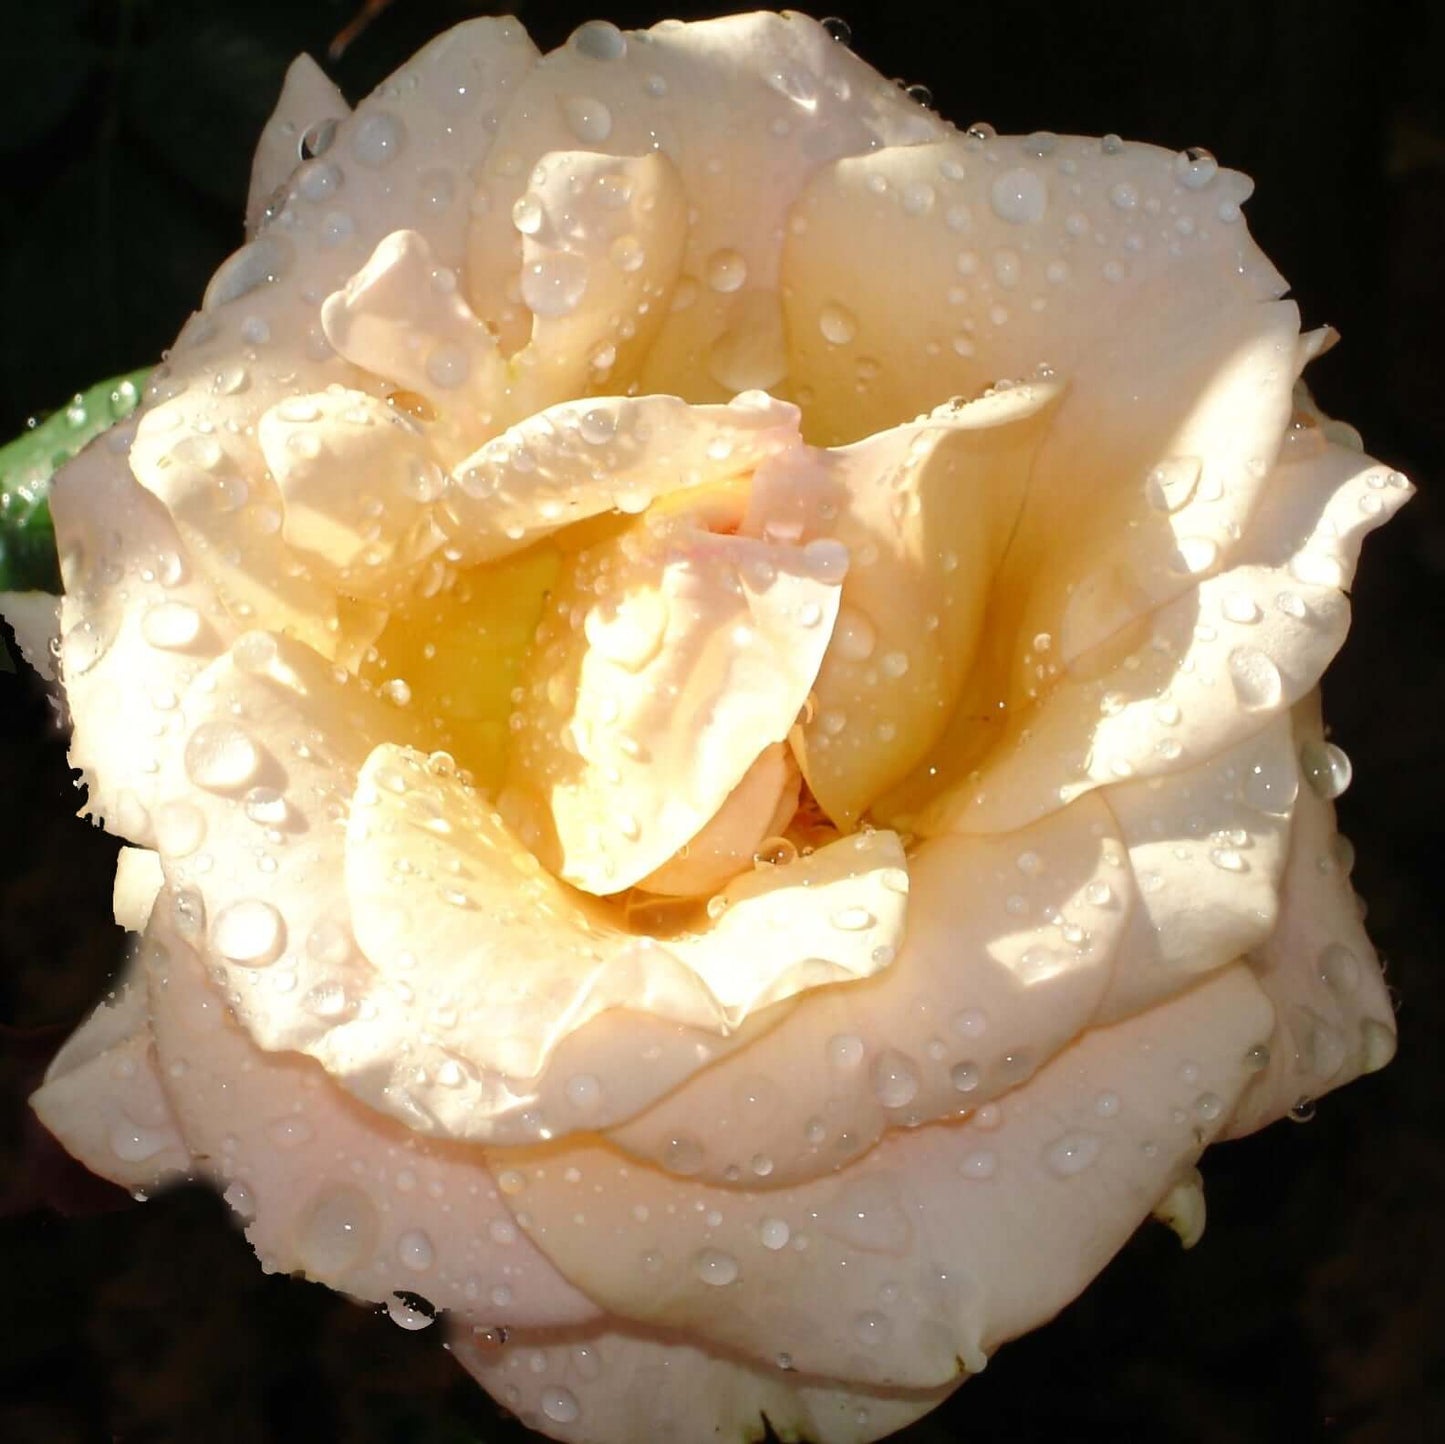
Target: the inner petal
pixel 669 658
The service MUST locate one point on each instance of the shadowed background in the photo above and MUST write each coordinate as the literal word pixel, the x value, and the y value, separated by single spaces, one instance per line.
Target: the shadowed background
pixel 1315 1305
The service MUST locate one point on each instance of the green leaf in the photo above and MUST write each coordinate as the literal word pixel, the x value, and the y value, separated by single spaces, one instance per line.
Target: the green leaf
pixel 27 538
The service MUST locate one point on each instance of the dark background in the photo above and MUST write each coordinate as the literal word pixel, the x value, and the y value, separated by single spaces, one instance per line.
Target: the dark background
pixel 1315 1305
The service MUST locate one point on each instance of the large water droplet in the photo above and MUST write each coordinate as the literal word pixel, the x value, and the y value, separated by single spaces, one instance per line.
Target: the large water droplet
pixel 598 40
pixel 587 117
pixel 336 1232
pixel 1256 679
pixel 250 933
pixel 726 271
pixel 1073 1153
pixel 221 757
pixel 414 1250
pixel 378 138
pixel 1326 768
pixel 837 323
pixel 1019 196
pixel 895 1081
pixel 715 1267
pixel 171 625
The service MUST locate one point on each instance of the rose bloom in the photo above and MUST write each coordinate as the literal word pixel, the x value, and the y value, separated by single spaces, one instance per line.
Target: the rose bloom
pixel 713 684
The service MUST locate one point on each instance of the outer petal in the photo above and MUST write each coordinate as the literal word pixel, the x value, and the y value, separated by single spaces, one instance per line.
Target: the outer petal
pixel 744 107
pixel 943 1241
pixel 1207 849
pixel 259 340
pixel 309 102
pixel 617 1383
pixel 103 1099
pixel 328 1187
pixel 491 962
pixel 1010 946
pixel 1207 669
pixel 35 619
pixel 1333 1015
pixel 138 625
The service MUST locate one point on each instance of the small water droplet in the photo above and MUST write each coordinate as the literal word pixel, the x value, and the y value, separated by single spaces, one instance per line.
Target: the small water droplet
pixel 1019 196
pixel 1257 681
pixel 1073 1153
pixel 414 1250
pixel 378 138
pixel 598 40
pixel 715 1267
pixel 726 271
pixel 336 1232
pixel 895 1081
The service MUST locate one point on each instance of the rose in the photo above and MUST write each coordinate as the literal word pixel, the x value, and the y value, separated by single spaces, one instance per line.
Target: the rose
pixel 1128 548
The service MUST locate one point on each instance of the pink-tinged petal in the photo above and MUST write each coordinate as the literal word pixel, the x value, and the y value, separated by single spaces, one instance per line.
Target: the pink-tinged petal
pixel 34 617
pixel 580 460
pixel 139 624
pixel 944 1241
pixel 1333 1017
pixel 1010 945
pixel 925 511
pixel 487 962
pixel 1206 670
pixel 668 658
pixel 309 101
pixel 103 1099
pixel 325 1185
pixel 1207 850
pixel 258 339
pixel 616 1383
pixel 743 107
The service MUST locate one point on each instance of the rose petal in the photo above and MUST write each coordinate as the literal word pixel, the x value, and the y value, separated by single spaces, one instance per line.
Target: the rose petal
pixel 1243 647
pixel 1207 851
pixel 258 339
pixel 102 1096
pixel 138 878
pixel 327 1187
pixel 668 659
pixel 309 100
pixel 616 1383
pixel 941 1243
pixel 488 962
pixel 793 99
pixel 579 460
pixel 1009 948
pixel 138 625
pixel 1333 1015
pixel 925 511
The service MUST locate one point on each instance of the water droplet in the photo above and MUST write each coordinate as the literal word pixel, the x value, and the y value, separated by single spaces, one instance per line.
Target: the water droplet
pixel 854 636
pixel 895 1082
pixel 1339 969
pixel 1019 196
pixel 726 271
pixel 588 118
pixel 683 1155
pixel 220 757
pixel 852 919
pixel 837 323
pixel 1256 679
pixel 964 1077
pixel 336 1232
pixel 584 1091
pixel 980 1164
pixel 250 933
pixel 598 40
pixel 774 1233
pixel 180 828
pixel 1326 768
pixel 414 1250
pixel 1195 167
pixel 290 1133
pixel 1240 607
pixel 845 1050
pixel 377 138
pixel 1377 1044
pixel 171 625
pixel 553 285
pixel 1073 1153
pixel 715 1267
pixel 1270 786
pixel 133 1143
pixel 872 1329
pixel 406 1315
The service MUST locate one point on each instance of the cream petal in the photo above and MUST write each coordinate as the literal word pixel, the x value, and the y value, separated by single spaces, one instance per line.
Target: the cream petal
pixel 102 1097
pixel 943 1241
pixel 759 807
pixel 35 619
pixel 488 962
pixel 258 339
pixel 615 1383
pixel 324 1185
pixel 792 99
pixel 356 478
pixel 602 245
pixel 925 511
pixel 1010 945
pixel 250 826
pixel 668 659
pixel 138 625
pixel 402 317
pixel 138 878
pixel 579 460
pixel 1241 648
pixel 1334 1019
pixel 309 101
pixel 1207 850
